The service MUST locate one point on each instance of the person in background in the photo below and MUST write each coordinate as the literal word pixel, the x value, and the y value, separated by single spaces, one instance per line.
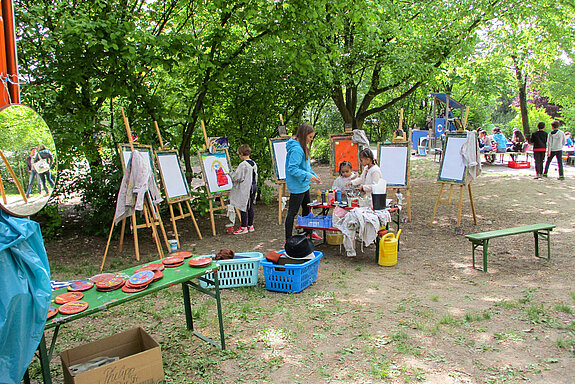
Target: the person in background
pixel 539 141
pixel 428 123
pixel 245 187
pixel 299 175
pixel 485 145
pixel 518 140
pixel 568 139
pixel 345 176
pixel 500 140
pixel 44 153
pixel 555 144
pixel 33 175
pixel 371 172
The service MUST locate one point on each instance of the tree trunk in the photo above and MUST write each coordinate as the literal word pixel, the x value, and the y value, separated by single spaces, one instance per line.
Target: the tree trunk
pixel 521 77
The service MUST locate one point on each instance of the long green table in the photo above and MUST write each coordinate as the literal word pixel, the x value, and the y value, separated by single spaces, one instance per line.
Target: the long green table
pixel 481 239
pixel 101 301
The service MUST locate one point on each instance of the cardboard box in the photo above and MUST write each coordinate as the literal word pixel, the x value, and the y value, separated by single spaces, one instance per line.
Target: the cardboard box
pixel 140 360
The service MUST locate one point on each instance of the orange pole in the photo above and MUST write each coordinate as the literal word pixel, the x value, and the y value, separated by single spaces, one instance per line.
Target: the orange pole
pixel 4 95
pixel 11 53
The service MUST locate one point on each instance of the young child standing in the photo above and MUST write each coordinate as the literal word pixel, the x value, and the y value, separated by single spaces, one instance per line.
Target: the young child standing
pixel 539 141
pixel 371 172
pixel 244 189
pixel 345 176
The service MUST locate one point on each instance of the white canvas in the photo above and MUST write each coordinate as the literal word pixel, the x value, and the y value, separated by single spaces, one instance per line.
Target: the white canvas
pixel 172 175
pixel 453 168
pixel 393 164
pixel 280 155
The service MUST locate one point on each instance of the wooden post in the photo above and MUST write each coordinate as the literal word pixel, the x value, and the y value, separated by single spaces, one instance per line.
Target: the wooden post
pixel 159 135
pixel 466 117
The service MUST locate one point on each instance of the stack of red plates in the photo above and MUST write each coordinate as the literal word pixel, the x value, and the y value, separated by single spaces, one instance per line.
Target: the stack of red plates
pixel 110 284
pixel 157 275
pixel 101 277
pixel 80 286
pixel 182 254
pixel 73 307
pixel 173 261
pixel 139 281
pixel 67 297
pixel 200 262
pixel 150 267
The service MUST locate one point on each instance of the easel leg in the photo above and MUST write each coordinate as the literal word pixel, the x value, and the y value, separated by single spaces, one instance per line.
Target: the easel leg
pixel 154 223
pixel 108 245
pixel 173 220
pixel 135 229
pixel 437 203
pixel 408 196
pixel 460 204
pixel 158 218
pixel 211 207
pixel 280 195
pixel 194 219
pixel 472 204
pixel 450 193
pixel 122 232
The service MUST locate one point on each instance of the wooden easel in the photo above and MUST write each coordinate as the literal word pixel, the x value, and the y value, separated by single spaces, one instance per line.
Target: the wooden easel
pixel 18 185
pixel 402 139
pixel 282 188
pixel 152 218
pixel 212 207
pixel 178 202
pixel 459 203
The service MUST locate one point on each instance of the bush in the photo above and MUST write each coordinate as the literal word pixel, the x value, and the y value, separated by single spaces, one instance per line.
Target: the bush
pixel 320 150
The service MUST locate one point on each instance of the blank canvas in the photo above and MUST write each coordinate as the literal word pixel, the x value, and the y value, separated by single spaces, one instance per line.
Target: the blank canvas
pixel 393 162
pixel 279 148
pixel 452 166
pixel 172 176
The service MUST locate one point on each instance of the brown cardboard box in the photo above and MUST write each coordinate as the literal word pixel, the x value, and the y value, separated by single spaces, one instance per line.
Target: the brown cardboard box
pixel 140 360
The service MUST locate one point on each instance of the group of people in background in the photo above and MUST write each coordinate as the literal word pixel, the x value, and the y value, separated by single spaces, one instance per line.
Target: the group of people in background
pixel 35 172
pixel 545 145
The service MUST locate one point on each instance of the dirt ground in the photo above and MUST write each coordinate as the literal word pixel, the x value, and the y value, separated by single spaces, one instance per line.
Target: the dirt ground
pixel 432 318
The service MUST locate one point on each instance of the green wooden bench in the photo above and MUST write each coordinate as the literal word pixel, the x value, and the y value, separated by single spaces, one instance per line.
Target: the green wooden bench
pixel 481 239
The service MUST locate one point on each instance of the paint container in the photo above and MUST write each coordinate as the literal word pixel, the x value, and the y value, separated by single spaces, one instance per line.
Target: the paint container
pixel 229 229
pixel 173 245
pixel 338 196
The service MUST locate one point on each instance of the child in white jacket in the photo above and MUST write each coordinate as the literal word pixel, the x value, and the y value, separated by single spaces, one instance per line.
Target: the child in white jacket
pixel 371 172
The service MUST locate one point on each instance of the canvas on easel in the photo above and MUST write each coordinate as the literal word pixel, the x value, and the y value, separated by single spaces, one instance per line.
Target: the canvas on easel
pixel 216 171
pixel 393 160
pixel 452 172
pixel 278 149
pixel 343 148
pixel 176 188
pixel 150 211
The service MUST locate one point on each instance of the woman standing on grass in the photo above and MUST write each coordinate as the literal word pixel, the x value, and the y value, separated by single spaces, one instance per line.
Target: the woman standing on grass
pixel 299 174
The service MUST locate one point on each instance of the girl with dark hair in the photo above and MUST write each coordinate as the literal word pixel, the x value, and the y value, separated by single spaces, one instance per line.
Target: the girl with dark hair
pixel 371 172
pixel 345 176
pixel 299 174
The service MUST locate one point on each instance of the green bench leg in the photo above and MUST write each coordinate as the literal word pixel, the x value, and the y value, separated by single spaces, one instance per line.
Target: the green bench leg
pixel 484 244
pixel 545 236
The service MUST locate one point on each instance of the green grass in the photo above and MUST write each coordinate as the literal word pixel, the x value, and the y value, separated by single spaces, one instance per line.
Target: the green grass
pixel 562 307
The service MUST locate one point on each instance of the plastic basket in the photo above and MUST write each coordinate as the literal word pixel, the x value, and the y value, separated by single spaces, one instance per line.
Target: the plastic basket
pixel 241 271
pixel 292 278
pixel 519 164
pixel 315 221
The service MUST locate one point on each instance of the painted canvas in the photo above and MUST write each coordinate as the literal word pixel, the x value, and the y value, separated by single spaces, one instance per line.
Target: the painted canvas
pixel 216 170
pixel 342 149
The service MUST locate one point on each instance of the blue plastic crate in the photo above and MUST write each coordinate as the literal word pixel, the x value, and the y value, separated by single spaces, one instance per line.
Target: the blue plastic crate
pixel 241 271
pixel 315 221
pixel 291 277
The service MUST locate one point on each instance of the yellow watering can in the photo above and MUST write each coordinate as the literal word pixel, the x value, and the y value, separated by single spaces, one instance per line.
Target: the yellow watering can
pixel 388 249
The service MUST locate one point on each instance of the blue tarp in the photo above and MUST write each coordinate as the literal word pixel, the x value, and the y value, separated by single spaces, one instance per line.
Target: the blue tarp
pixel 443 98
pixel 25 294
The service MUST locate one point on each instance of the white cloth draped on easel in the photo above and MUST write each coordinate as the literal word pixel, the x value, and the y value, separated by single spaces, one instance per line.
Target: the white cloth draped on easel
pixel 138 179
pixel 471 155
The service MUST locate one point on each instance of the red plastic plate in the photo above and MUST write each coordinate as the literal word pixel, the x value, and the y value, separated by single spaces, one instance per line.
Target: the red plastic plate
pixel 200 262
pixel 52 311
pixel 67 297
pixel 79 286
pixel 73 307
pixel 150 267
pixel 182 254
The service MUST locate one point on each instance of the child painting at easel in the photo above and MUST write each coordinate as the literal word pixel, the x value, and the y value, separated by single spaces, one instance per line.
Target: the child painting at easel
pixel 370 175
pixel 345 176
pixel 244 189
